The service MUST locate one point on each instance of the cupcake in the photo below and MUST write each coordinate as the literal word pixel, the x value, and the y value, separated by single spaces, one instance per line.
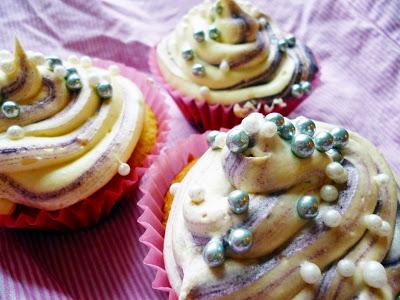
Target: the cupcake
pixel 72 137
pixel 227 59
pixel 279 209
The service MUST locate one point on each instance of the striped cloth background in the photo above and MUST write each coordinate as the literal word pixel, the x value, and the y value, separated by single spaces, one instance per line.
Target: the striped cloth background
pixel 357 42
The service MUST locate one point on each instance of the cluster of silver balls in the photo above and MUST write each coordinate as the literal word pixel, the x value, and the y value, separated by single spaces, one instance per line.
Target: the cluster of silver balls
pixel 73 80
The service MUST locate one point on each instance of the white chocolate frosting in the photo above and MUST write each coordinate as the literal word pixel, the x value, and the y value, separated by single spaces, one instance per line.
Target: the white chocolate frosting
pixel 327 257
pixel 65 144
pixel 241 55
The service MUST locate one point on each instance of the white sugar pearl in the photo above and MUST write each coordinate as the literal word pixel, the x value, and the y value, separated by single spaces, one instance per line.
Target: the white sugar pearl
pixel 86 61
pixel 124 169
pixel 93 79
pixel 7 66
pixel 114 70
pixel 346 267
pixel 381 179
pixel 385 229
pixel 310 272
pixel 73 59
pixel 5 54
pixel 268 129
pixel 373 222
pixel 59 71
pixel 374 274
pixel 332 218
pixel 15 132
pixel 329 193
pixel 251 124
pixel 204 91
pixel 224 66
pixel 38 58
pixel 174 188
pixel 196 194
pixel 262 21
pixel 336 172
pixel 220 140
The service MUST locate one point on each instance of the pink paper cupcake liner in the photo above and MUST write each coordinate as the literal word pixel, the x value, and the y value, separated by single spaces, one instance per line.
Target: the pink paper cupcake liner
pixel 206 116
pixel 154 187
pixel 91 210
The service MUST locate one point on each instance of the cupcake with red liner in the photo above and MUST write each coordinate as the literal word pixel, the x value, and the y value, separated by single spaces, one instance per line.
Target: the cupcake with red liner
pixel 227 59
pixel 273 209
pixel 75 136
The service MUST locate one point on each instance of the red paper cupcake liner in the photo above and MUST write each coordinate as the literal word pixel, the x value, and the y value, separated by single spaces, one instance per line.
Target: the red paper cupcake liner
pixel 204 116
pixel 154 187
pixel 91 210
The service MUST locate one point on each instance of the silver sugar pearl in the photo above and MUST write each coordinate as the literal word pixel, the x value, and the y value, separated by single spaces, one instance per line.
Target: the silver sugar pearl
pixel 287 130
pixel 290 40
pixel 187 54
pixel 302 146
pixel 199 36
pixel 277 118
pixel 52 61
pixel 323 141
pixel 282 45
pixel 10 109
pixel 237 140
pixel 306 87
pixel 307 207
pixel 240 240
pixel 335 155
pixel 211 137
pixel 214 252
pixel 340 137
pixel 104 90
pixel 305 126
pixel 213 32
pixel 198 70
pixel 297 90
pixel 238 201
pixel 73 82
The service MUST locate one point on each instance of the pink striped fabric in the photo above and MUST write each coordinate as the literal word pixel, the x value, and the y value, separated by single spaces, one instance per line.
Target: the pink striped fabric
pixel 358 44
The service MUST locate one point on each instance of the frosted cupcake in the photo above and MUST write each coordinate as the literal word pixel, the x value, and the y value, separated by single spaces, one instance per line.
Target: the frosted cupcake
pixel 281 209
pixel 67 131
pixel 227 59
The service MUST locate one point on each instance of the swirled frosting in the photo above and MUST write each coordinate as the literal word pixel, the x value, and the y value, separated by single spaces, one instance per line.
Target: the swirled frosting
pixel 348 249
pixel 66 128
pixel 229 52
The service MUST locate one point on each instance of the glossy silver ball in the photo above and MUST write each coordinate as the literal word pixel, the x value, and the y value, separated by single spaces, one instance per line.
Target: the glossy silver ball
pixel 277 118
pixel 198 70
pixel 213 32
pixel 73 82
pixel 237 140
pixel 218 8
pixel 53 61
pixel 187 54
pixel 10 109
pixel 340 137
pixel 238 201
pixel 323 141
pixel 287 130
pixel 282 45
pixel 240 240
pixel 305 126
pixel 297 91
pixel 308 207
pixel 104 90
pixel 214 252
pixel 335 155
pixel 70 71
pixel 290 40
pixel 302 145
pixel 211 137
pixel 199 36
pixel 306 87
